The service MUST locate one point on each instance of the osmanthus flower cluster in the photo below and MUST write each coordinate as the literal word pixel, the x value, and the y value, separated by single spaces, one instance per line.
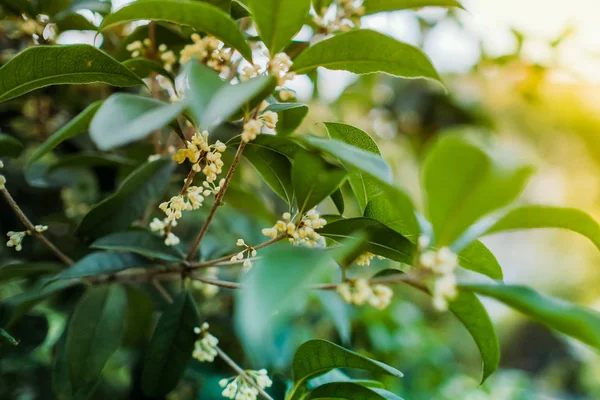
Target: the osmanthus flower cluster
pixel 253 127
pixel 205 348
pixel 248 251
pixel 2 178
pixel 360 292
pixel 441 264
pixel 15 239
pixel 301 233
pixel 341 15
pixel 238 388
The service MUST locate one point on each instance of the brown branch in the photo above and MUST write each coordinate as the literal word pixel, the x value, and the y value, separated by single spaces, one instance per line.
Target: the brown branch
pixel 241 372
pixel 163 292
pixel 224 259
pixel 31 228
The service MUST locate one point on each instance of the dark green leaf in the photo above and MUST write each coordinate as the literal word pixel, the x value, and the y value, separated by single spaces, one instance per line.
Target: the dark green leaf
pixel 200 16
pixel 290 116
pixel 364 52
pixel 338 199
pixel 91 159
pixel 95 333
pixel 140 317
pixel 578 322
pixel 10 146
pixel 102 263
pixel 171 346
pixel 126 118
pixel 144 67
pixel 350 391
pixel 140 189
pixel 469 310
pixel 275 169
pixel 18 7
pixel 139 242
pixel 6 338
pixel 74 22
pixel 375 6
pixel 170 36
pixel 27 270
pixel 314 179
pixel 41 66
pixel 277 21
pixel 74 127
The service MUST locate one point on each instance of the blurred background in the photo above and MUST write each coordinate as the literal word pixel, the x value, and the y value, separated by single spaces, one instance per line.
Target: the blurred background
pixel 522 73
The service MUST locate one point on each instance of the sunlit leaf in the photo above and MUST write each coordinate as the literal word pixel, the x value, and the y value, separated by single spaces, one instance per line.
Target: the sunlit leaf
pixel 375 6
pixel 350 391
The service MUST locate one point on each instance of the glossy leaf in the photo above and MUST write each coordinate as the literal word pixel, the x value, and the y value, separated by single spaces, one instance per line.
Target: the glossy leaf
pixel 5 337
pixel 95 333
pixel 537 216
pixel 375 6
pixel 290 116
pixel 10 146
pixel 139 242
pixel 338 199
pixel 278 144
pixel 364 51
pixel 102 263
pixel 473 315
pixel 578 322
pixel 126 118
pixel 74 22
pixel 74 127
pixel 314 179
pixel 275 169
pixel 278 21
pixel 200 16
pixel 462 184
pixel 140 189
pixel 350 391
pixel 478 258
pixel 144 67
pixel 40 66
pixel 91 159
pixel 171 346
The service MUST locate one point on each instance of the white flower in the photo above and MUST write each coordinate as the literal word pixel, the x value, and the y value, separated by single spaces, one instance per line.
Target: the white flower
pixel 424 242
pixel 2 182
pixel 239 389
pixel 41 228
pixel 269 119
pixel 441 264
pixel 360 292
pixel 205 348
pixel 286 95
pixel 365 259
pixel 279 67
pixel 240 242
pixel 15 239
pixel 251 130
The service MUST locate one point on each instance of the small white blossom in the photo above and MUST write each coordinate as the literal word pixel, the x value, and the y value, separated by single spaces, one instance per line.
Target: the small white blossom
pixel 15 239
pixel 238 388
pixel 442 264
pixel 251 130
pixel 171 239
pixel 205 348
pixel 424 242
pixel 286 95
pixel 304 233
pixel 365 259
pixel 208 50
pixel 269 119
pixel 360 292
pixel 279 67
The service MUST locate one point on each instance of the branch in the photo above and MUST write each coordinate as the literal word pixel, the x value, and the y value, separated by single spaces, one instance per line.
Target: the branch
pixel 163 292
pixel 224 260
pixel 31 228
pixel 241 372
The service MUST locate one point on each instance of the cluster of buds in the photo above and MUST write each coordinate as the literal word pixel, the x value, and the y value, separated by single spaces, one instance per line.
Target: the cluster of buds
pixel 441 263
pixel 253 127
pixel 207 289
pixel 364 260
pixel 248 251
pixel 347 16
pixel 140 48
pixel 360 292
pixel 238 388
pixel 279 67
pixel 2 178
pixel 199 152
pixel 205 348
pixel 15 239
pixel 302 233
pixel 208 50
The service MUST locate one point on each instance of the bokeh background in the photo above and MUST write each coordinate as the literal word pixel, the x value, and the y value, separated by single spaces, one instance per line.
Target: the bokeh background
pixel 522 73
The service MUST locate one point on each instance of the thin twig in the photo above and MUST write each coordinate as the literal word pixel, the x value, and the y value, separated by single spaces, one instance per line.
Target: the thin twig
pixel 163 292
pixel 223 260
pixel 31 228
pixel 154 87
pixel 241 372
pixel 217 203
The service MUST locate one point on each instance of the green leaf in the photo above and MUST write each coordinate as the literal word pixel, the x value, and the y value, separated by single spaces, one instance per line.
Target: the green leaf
pixel 6 338
pixel 381 240
pixel 200 16
pixel 350 391
pixel 338 199
pixel 278 144
pixel 126 118
pixel 144 67
pixel 74 22
pixel 40 66
pixel 95 332
pixel 339 312
pixel 18 7
pixel 91 159
pixel 140 317
pixel 314 179
pixel 169 35
pixel 27 270
pixel 473 315
pixel 171 346
pixel 462 184
pixel 141 188
pixel 317 357
pixel 290 116
pixel 578 322
pixel 277 21
pixel 139 242
pixel 10 146
pixel 102 263
pixel 74 127
pixel 275 169
pixel 393 208
pixel 478 258
pixel 375 6
pixel 364 51
pixel 537 216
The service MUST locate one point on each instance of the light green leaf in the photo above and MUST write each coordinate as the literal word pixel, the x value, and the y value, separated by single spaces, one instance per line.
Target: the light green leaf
pixel 364 51
pixel 314 179
pixel 317 357
pixel 277 21
pixel 10 146
pixel 140 189
pixel 139 242
pixel 6 338
pixel 578 322
pixel 290 116
pixel 393 208
pixel 171 346
pixel 339 312
pixel 278 144
pixel 350 391
pixel 126 118
pixel 275 169
pixel 74 127
pixel 462 184
pixel 375 6
pixel 381 240
pixel 200 16
pixel 41 66
pixel 144 67
pixel 473 315
pixel 538 216
pixel 102 263
pixel 338 200
pixel 478 258
pixel 95 333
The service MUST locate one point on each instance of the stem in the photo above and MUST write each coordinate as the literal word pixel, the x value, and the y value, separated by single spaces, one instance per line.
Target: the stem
pixel 154 87
pixel 241 372
pixel 163 292
pixel 217 203
pixel 31 228
pixel 223 260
